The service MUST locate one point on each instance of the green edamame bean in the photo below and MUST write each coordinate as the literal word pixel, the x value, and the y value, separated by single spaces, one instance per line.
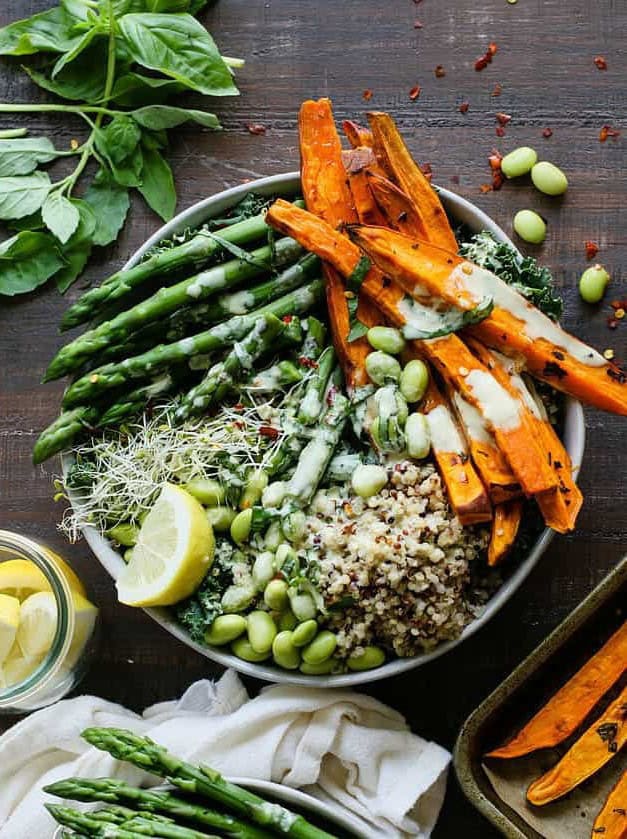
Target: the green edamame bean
pixel 124 534
pixel 548 178
pixel 593 283
pixel 417 436
pixel 240 526
pixel 243 649
pixel 530 226
pixel 321 648
pixel 369 479
pixel 288 620
pixel 273 494
pixel 208 492
pixel 322 669
pixel 387 339
pixel 224 629
pixel 261 631
pixel 414 380
pixel 519 162
pixel 391 402
pixel 284 553
pixel 263 569
pixel 238 597
pixel 275 594
pixel 273 536
pixel 304 633
pixel 302 605
pixel 284 652
pixel 255 486
pixel 293 525
pixel 370 658
pixel 382 367
pixel 220 518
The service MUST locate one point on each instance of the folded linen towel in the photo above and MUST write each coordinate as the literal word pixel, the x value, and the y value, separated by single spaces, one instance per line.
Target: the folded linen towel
pixel 340 746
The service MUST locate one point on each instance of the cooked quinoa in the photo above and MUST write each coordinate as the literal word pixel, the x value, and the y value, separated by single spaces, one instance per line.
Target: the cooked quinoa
pixel 402 557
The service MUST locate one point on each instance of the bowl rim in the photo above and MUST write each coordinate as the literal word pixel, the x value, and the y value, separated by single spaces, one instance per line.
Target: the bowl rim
pixel 574 440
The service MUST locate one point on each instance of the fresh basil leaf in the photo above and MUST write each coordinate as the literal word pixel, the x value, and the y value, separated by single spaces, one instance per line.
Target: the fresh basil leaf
pixel 437 324
pixel 27 260
pixel 60 215
pixel 121 138
pixel 110 202
pixel 76 8
pixel 154 139
pixel 179 47
pixel 83 80
pixel 353 283
pixel 33 221
pixel 21 196
pixel 157 184
pixel 78 248
pixel 167 5
pixel 357 330
pixel 51 31
pixel 22 156
pixel 135 89
pixel 197 6
pixel 80 46
pixel 158 117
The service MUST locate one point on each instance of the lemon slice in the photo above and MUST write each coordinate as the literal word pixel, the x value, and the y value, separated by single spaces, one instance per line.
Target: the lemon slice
pixel 70 575
pixel 20 578
pixel 9 622
pixel 174 551
pixel 18 667
pixel 38 624
pixel 85 615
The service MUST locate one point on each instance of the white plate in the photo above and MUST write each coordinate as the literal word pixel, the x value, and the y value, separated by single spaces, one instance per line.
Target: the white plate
pixel 574 440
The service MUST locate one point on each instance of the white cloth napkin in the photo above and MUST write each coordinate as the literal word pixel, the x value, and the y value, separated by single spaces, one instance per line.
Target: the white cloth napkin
pixel 341 746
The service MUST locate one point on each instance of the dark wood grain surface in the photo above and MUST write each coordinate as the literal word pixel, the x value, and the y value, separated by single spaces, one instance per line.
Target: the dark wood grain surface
pixel 296 49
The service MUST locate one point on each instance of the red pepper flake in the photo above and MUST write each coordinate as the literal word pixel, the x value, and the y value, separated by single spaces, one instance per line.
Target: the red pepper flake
pixel 367 95
pixel 287 318
pixel 601 62
pixel 592 249
pixel 619 304
pixel 482 62
pixel 454 179
pixel 417 24
pixel 497 90
pixel 492 48
pixel 486 187
pixel 607 131
pixel 612 322
pixel 502 118
pixel 307 362
pixel 495 165
pixel 426 170
pixel 256 128
pixel 414 93
pixel 439 71
pixel 269 431
pixel 463 108
pixel 500 131
pixel 547 132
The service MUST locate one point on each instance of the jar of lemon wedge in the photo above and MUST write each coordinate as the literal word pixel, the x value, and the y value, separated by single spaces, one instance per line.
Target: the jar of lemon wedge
pixel 47 625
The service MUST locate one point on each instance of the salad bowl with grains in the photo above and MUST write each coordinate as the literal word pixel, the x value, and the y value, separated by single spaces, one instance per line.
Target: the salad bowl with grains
pixel 325 445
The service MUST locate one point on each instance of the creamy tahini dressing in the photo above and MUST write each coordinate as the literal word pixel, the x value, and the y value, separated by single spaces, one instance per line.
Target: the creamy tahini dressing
pixel 509 365
pixel 472 420
pixel 424 319
pixel 480 283
pixel 445 436
pixel 497 406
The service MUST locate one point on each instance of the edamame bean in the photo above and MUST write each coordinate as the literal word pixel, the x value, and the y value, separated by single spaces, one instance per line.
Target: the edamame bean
pixel 261 631
pixel 243 649
pixel 304 633
pixel 284 652
pixel 414 380
pixel 370 658
pixel 275 594
pixel 263 569
pixel 273 494
pixel 273 536
pixel 253 490
pixel 418 436
pixel 224 629
pixel 530 226
pixel 208 492
pixel 321 648
pixel 238 597
pixel 391 402
pixel 322 669
pixel 293 525
pixel 302 605
pixel 240 526
pixel 288 620
pixel 369 479
pixel 593 283
pixel 519 162
pixel 284 553
pixel 387 339
pixel 124 534
pixel 220 518
pixel 548 178
pixel 382 367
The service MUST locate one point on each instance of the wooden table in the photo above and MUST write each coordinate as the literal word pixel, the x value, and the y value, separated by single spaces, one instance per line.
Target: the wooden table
pixel 294 50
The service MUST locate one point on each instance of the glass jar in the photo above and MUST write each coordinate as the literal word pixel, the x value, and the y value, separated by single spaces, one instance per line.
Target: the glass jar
pixel 55 671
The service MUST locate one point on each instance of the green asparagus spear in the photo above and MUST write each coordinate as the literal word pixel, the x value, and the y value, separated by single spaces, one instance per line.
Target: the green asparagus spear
pixel 147 755
pixel 118 374
pixel 112 791
pixel 222 376
pixel 276 377
pixel 311 405
pixel 168 299
pixel 316 338
pixel 107 826
pixel 132 403
pixel 62 431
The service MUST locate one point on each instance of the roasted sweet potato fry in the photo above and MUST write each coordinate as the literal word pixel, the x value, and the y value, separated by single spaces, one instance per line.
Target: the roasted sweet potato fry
pixel 398 210
pixel 598 745
pixel 356 134
pixel 611 823
pixel 505 525
pixel 514 326
pixel 395 158
pixel 356 163
pixel 568 708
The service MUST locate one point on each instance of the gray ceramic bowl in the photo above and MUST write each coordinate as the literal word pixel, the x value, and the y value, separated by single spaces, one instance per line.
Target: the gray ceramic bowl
pixel 574 438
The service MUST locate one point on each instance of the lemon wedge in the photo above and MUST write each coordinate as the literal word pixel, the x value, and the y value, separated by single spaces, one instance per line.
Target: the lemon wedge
pixel 85 615
pixel 17 667
pixel 9 622
pixel 70 575
pixel 20 578
pixel 173 553
pixel 38 624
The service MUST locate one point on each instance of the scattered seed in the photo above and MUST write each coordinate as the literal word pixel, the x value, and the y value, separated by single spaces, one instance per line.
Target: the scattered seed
pixel 547 132
pixel 73 144
pixel 439 71
pixel 608 354
pixel 256 128
pixel 463 108
pixel 367 95
pixel 414 93
pixel 619 314
pixel 601 62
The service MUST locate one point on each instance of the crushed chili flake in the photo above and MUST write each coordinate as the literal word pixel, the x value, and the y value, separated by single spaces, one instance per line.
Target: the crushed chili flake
pixel 417 24
pixel 500 131
pixel 256 128
pixel 482 62
pixel 287 318
pixel 367 95
pixel 547 132
pixel 239 407
pixel 269 431
pixel 463 108
pixel 497 89
pixel 495 165
pixel 601 62
pixel 619 304
pixel 612 322
pixel 607 131
pixel 592 249
pixel 439 71
pixel 502 118
pixel 493 48
pixel 426 170
pixel 304 361
pixel 414 93
pixel 454 179
pixel 486 187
